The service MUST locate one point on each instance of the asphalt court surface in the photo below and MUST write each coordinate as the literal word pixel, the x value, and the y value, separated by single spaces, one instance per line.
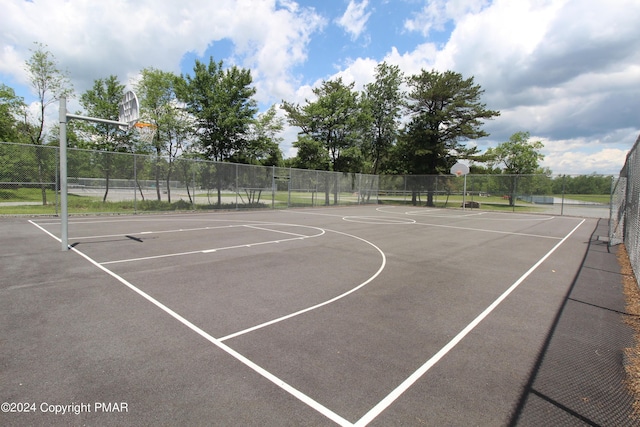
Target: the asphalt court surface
pixel 352 316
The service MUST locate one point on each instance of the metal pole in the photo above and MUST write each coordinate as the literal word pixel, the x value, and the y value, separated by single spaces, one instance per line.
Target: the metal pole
pixel 562 203
pixel 135 184
pixel 464 193
pixel 64 239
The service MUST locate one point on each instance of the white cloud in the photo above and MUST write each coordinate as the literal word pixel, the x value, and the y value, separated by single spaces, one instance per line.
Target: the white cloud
pixel 436 13
pixel 269 37
pixel 355 18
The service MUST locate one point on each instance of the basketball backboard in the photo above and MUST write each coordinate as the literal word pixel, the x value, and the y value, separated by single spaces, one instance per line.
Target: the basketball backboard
pixel 459 169
pixel 129 110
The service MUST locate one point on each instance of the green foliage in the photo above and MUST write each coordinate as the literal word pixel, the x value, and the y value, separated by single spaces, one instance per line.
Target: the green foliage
pixel 333 120
pixel 262 141
pixel 221 102
pixel 382 102
pixel 311 154
pixel 102 101
pixel 582 184
pixel 444 109
pixel 518 155
pixel 48 83
pixel 11 108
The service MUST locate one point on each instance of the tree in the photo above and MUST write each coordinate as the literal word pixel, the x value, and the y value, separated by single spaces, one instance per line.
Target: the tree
pixel 444 109
pixel 382 103
pixel 102 101
pixel 48 84
pixel 160 108
pixel 335 121
pixel 11 108
pixel 518 156
pixel 263 140
pixel 221 101
pixel 311 154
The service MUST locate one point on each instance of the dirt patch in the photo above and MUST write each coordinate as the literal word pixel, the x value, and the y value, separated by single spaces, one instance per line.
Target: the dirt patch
pixel 632 294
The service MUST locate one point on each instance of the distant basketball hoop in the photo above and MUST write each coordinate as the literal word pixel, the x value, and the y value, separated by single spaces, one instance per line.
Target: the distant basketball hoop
pixel 460 169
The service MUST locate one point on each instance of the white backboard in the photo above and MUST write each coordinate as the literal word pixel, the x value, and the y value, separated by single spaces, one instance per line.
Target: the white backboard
pixel 460 169
pixel 129 109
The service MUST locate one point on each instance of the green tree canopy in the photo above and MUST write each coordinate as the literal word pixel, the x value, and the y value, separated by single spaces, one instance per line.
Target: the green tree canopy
pixel 102 101
pixel 444 110
pixel 334 120
pixel 49 84
pixel 165 118
pixel 221 102
pixel 11 108
pixel 382 103
pixel 518 155
pixel 263 141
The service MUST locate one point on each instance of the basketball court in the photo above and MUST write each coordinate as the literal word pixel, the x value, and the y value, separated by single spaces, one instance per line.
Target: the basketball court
pixel 340 316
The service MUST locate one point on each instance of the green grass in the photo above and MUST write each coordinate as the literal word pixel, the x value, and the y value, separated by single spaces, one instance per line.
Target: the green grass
pixel 25 195
pixel 590 198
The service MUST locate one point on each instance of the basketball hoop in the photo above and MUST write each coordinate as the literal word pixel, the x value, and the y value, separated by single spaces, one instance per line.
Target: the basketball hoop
pixel 460 169
pixel 145 131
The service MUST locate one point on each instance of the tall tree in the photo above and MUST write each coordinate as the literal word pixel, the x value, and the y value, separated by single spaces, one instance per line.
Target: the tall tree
pixel 382 102
pixel 157 92
pixel 444 110
pixel 221 101
pixel 48 84
pixel 102 101
pixel 518 156
pixel 334 120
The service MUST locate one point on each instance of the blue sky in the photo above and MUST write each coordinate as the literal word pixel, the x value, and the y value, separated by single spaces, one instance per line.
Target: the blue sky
pixel 567 71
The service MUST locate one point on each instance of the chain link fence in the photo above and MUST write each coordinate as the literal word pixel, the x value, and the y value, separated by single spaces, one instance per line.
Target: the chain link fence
pixel 105 182
pixel 624 223
pixel 577 195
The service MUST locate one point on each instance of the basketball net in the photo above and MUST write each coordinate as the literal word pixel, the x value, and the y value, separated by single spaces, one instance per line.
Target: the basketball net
pixel 145 131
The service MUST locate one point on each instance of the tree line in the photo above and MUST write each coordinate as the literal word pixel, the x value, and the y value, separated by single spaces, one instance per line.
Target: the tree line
pixel 397 124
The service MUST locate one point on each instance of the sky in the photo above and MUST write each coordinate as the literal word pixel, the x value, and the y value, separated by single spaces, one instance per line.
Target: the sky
pixel 566 71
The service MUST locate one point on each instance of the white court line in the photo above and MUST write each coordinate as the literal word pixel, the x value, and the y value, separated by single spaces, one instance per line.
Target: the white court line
pixel 297 313
pixel 153 232
pixel 208 251
pixel 482 230
pixel 438 213
pixel 404 386
pixel 263 372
